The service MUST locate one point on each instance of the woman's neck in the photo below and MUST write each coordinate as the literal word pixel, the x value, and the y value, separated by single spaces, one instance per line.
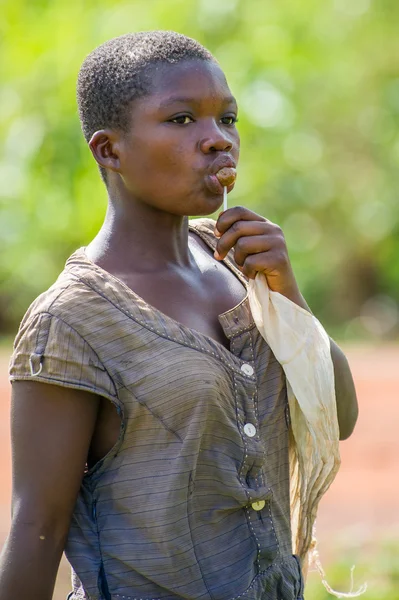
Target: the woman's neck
pixel 141 239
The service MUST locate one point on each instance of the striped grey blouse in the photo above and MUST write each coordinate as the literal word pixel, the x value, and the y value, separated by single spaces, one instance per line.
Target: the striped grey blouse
pixel 193 500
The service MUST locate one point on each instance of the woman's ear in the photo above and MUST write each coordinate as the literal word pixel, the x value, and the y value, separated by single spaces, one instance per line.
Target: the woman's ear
pixel 105 147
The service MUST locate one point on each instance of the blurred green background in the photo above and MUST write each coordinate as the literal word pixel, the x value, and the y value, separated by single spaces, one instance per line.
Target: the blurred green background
pixel 317 83
pixel 318 90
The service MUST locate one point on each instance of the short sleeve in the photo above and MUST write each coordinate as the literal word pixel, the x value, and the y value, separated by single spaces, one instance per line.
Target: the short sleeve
pixel 47 349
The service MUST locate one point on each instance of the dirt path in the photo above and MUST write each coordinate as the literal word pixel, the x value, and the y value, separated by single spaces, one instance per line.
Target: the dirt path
pixel 362 503
pixel 360 506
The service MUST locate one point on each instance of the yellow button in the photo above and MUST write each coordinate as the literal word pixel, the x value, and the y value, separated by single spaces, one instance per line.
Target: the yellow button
pixel 258 505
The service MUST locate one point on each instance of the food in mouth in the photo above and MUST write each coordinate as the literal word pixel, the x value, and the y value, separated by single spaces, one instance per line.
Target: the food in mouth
pixel 226 176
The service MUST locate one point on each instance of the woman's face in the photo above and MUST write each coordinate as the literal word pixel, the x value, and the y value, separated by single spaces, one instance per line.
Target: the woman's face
pixel 180 136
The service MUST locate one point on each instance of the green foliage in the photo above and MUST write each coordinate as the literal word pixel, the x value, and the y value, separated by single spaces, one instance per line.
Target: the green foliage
pixel 318 88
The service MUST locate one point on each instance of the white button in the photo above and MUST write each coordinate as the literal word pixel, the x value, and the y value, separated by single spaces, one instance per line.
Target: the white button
pixel 258 505
pixel 249 429
pixel 247 369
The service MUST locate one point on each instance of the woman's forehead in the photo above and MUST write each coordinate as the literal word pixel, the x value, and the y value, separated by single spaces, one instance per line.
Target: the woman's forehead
pixel 188 81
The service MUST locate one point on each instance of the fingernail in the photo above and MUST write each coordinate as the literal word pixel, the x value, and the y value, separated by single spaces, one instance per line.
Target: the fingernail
pixel 217 233
pixel 217 255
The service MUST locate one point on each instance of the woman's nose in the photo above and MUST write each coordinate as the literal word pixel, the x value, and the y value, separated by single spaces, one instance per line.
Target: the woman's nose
pixel 215 140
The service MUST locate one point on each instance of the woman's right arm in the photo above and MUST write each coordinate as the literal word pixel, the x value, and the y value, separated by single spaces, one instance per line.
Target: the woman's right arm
pixel 51 431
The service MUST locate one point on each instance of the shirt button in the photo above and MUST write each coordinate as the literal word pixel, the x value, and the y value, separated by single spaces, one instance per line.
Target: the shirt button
pixel 247 369
pixel 258 505
pixel 249 429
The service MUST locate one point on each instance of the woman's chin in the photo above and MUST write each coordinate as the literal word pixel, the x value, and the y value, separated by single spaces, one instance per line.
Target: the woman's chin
pixel 208 203
pixel 204 209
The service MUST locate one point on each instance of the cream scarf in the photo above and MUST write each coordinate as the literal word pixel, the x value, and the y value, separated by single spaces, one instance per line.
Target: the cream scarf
pixel 302 347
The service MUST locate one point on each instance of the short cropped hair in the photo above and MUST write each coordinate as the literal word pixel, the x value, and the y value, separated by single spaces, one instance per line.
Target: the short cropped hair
pixel 118 72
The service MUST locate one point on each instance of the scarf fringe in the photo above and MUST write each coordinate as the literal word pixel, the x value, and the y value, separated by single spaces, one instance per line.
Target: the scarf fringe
pixel 314 559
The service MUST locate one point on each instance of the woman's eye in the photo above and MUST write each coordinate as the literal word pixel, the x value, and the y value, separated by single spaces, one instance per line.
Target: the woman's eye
pixel 182 120
pixel 229 120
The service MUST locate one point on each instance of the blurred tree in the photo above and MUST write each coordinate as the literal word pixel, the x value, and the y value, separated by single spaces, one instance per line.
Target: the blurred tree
pixel 318 89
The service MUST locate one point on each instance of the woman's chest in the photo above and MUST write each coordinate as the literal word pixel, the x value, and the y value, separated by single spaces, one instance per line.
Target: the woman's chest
pixel 195 298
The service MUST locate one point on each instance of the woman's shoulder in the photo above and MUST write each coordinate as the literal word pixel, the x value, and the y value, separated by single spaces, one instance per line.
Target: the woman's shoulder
pixel 51 345
pixel 64 296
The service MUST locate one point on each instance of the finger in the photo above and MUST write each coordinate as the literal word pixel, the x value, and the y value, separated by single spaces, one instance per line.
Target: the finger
pixel 264 262
pixel 231 215
pixel 241 229
pixel 248 245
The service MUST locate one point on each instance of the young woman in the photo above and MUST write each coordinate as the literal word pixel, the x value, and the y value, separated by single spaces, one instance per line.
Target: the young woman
pixel 149 417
